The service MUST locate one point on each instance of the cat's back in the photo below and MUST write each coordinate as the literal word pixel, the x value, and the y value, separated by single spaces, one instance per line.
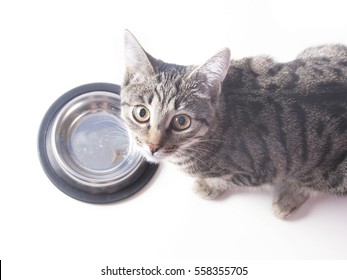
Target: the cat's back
pixel 314 68
pixel 336 53
pixel 295 111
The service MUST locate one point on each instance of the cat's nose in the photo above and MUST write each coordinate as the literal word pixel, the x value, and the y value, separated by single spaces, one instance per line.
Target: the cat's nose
pixel 153 148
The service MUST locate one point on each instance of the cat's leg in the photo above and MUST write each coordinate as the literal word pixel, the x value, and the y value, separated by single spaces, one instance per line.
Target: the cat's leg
pixel 209 188
pixel 288 199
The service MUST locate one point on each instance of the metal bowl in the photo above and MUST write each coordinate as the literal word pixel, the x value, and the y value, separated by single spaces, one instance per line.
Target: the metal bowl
pixel 85 149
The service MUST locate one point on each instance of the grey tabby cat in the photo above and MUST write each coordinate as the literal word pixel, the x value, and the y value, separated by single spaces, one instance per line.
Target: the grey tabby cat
pixel 244 123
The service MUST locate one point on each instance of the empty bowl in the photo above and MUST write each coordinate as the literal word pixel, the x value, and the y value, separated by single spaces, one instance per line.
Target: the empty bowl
pixel 85 148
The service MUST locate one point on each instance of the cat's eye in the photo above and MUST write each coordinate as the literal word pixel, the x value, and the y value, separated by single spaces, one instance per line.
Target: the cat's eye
pixel 141 114
pixel 181 122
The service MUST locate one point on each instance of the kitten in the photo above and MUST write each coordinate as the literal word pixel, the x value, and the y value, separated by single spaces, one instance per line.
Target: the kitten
pixel 244 123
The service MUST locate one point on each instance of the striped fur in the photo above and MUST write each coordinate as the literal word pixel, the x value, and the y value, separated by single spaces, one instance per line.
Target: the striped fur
pixel 253 121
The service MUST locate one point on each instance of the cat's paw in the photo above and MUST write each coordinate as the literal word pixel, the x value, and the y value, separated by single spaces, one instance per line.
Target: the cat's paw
pixel 280 211
pixel 286 204
pixel 205 191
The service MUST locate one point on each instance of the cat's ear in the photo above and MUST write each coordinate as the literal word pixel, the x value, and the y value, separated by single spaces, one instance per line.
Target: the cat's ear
pixel 136 59
pixel 214 70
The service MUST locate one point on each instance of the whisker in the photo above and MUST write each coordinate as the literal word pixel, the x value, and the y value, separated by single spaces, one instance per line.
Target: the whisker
pixel 115 135
pixel 111 124
pixel 199 159
pixel 208 141
pixel 199 151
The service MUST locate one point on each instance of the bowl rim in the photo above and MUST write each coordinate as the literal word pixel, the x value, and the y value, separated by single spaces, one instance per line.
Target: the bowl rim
pixel 129 187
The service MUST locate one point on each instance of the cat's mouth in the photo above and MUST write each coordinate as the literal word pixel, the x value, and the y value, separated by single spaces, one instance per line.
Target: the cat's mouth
pixel 156 157
pixel 161 153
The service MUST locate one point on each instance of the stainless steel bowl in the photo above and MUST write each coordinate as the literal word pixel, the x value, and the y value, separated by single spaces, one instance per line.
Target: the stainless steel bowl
pixel 85 149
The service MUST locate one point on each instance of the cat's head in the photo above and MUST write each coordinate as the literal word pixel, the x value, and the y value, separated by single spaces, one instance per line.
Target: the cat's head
pixel 167 107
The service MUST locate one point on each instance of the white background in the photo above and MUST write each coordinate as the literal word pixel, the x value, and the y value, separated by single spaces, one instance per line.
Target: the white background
pixel 50 47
